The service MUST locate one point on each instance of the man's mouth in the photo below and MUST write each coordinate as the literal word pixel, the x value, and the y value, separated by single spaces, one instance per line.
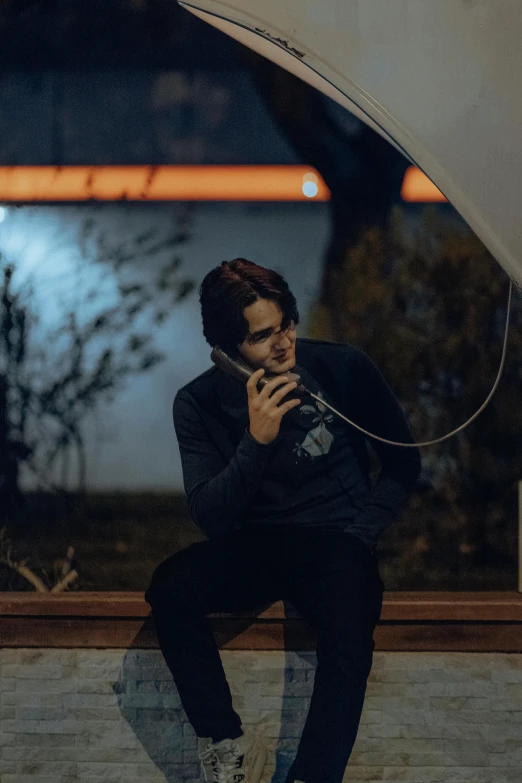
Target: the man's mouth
pixel 282 357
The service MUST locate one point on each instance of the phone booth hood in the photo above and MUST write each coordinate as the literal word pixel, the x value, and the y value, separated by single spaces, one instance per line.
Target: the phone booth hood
pixel 441 81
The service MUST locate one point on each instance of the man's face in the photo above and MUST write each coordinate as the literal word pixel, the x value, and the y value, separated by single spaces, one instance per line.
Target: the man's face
pixel 265 345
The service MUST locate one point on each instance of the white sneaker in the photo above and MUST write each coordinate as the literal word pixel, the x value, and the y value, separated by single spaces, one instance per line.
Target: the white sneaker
pixel 240 760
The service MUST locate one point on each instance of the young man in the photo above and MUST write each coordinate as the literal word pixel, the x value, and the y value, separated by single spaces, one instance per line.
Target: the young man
pixel 280 486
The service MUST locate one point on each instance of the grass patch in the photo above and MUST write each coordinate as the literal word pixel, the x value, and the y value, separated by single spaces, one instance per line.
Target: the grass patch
pixel 119 538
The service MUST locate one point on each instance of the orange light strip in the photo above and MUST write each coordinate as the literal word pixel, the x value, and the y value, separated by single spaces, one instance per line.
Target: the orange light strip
pixel 181 183
pixel 161 183
pixel 417 187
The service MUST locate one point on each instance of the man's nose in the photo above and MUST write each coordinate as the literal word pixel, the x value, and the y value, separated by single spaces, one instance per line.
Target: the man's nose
pixel 284 340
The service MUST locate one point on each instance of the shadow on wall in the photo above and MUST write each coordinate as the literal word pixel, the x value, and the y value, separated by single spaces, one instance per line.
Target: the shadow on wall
pixel 149 702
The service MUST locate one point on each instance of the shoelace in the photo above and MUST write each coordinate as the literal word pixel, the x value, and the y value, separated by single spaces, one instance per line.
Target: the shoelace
pixel 224 770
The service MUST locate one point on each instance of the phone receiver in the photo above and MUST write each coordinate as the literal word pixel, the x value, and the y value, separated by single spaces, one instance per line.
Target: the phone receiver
pixel 242 371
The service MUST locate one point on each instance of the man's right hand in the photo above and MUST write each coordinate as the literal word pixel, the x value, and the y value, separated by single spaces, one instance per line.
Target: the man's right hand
pixel 264 412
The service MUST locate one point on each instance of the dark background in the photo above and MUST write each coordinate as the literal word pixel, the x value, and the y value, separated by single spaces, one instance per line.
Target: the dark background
pixel 144 82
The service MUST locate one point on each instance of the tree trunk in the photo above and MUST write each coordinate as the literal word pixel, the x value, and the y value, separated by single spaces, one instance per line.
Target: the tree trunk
pixel 362 170
pixel 10 495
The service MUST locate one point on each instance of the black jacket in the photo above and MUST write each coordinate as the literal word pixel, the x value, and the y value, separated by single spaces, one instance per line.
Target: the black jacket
pixel 310 475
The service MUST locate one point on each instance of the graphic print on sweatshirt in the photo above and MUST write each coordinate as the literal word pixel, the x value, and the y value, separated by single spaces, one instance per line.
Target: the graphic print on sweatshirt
pixel 319 438
pixel 306 452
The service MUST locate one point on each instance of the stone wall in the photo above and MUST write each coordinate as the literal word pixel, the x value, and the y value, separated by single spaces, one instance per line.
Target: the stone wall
pixel 114 715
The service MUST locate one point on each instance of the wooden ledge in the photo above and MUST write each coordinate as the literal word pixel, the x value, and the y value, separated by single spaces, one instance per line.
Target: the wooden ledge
pixel 457 621
pixel 397 606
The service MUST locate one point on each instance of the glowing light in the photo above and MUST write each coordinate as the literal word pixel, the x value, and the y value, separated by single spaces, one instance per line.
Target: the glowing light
pixel 416 186
pixel 310 189
pixel 310 184
pixel 156 183
pixel 42 245
pixel 3 214
pixel 181 183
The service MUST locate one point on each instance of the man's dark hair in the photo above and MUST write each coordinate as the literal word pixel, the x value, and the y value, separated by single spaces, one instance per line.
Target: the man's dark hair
pixel 230 287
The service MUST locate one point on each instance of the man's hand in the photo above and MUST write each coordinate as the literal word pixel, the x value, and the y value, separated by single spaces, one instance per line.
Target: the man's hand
pixel 264 412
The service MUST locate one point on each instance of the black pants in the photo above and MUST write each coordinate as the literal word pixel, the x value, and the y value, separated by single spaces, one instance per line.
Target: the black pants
pixel 329 576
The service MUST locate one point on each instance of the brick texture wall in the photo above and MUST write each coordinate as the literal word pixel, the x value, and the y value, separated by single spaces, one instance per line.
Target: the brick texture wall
pixel 114 715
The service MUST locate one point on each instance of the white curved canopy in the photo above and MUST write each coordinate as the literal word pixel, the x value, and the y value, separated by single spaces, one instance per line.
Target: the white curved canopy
pixel 440 79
